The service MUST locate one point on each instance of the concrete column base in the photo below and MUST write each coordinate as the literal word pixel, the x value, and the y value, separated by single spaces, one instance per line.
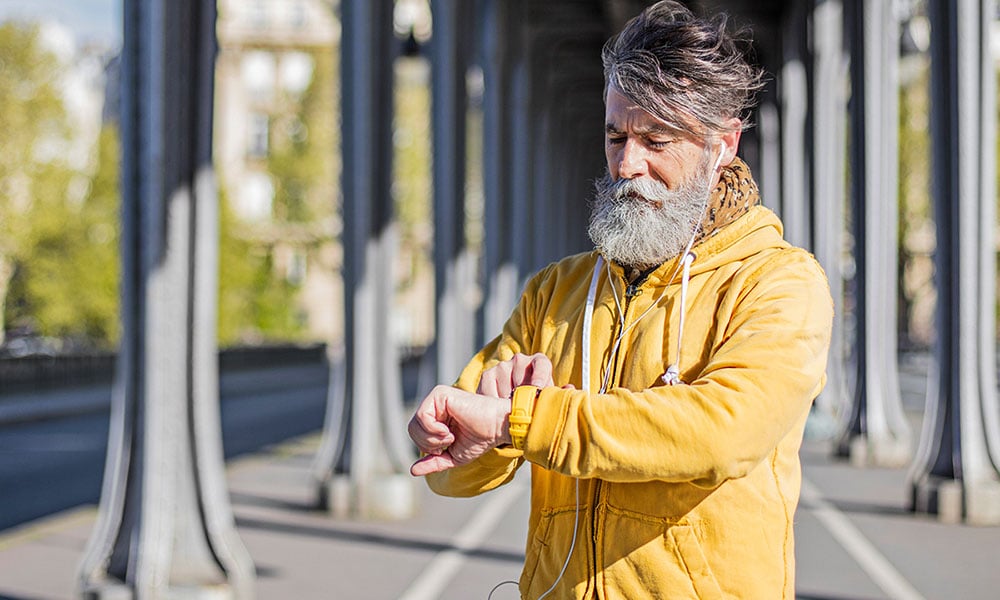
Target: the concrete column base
pixel 119 591
pixel 982 503
pixel 109 591
pixel 864 451
pixel 977 503
pixel 395 497
pixel 390 497
pixel 335 496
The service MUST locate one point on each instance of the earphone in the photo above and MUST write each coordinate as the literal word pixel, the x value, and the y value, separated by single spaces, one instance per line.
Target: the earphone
pixel 671 377
pixel 722 152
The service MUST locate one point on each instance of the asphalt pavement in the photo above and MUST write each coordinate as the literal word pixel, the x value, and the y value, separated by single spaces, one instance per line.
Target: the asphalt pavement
pixel 855 539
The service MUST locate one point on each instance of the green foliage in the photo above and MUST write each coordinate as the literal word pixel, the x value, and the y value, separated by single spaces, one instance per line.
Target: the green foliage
pixel 257 300
pixel 412 190
pixel 61 247
pixel 303 139
pixel 916 237
pixel 66 282
pixel 254 303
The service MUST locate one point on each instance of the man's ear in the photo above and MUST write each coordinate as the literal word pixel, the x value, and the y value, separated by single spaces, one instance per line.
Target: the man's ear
pixel 731 140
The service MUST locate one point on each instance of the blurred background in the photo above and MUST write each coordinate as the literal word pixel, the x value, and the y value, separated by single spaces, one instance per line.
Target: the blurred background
pixel 277 156
pixel 278 160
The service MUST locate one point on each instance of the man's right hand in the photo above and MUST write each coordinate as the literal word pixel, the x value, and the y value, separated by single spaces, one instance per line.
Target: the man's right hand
pixel 453 427
pixel 500 380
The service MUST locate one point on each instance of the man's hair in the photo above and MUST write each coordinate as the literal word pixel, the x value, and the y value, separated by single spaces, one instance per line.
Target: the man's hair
pixel 685 70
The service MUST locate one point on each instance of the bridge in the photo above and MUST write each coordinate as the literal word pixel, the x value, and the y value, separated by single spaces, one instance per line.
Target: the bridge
pixel 164 475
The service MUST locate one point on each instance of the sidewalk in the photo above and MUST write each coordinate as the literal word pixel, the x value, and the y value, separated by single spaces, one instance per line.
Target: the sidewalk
pixel 855 541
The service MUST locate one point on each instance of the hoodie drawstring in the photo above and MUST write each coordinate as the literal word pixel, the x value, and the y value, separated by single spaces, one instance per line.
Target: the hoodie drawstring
pixel 673 374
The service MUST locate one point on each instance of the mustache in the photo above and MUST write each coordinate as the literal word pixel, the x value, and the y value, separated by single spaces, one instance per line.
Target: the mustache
pixel 624 190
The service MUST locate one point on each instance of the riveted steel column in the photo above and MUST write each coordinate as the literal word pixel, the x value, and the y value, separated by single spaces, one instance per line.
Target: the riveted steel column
pixel 165 528
pixel 455 328
pixel 829 117
pixel 768 175
pixel 877 431
pixel 501 272
pixel 794 131
pixel 956 471
pixel 366 474
pixel 522 127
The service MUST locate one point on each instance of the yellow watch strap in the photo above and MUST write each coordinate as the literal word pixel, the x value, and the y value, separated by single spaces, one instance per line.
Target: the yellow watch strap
pixel 522 405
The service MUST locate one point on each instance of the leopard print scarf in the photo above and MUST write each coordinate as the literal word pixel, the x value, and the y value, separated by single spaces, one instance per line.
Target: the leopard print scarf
pixel 732 198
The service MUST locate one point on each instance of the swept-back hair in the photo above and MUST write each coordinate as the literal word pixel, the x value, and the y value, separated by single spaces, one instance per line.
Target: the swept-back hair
pixel 685 70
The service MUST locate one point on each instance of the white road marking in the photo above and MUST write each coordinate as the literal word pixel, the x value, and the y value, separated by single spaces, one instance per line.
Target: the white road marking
pixel 442 569
pixel 857 545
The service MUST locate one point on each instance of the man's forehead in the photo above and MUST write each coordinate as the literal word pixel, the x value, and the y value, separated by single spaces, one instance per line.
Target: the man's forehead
pixel 622 113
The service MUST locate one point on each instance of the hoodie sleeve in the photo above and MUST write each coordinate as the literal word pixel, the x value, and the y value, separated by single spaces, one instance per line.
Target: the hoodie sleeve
pixel 756 385
pixel 499 465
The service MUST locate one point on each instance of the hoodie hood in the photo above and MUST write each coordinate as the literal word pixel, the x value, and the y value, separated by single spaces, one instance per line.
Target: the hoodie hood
pixel 757 230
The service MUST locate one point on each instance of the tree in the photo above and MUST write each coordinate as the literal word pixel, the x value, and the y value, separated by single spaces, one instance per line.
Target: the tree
pixel 33 178
pixel 258 294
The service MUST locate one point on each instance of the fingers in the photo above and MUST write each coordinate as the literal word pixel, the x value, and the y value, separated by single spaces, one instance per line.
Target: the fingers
pixel 489 383
pixel 497 381
pixel 428 428
pixel 432 464
pixel 500 380
pixel 541 371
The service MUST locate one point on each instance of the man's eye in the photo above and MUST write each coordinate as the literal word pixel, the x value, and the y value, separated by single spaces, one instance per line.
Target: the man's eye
pixel 612 140
pixel 659 143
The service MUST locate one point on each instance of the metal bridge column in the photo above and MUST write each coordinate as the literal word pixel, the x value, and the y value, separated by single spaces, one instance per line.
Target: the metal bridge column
pixel 362 464
pixel 501 283
pixel 829 117
pixel 877 431
pixel 165 528
pixel 454 266
pixel 794 128
pixel 956 471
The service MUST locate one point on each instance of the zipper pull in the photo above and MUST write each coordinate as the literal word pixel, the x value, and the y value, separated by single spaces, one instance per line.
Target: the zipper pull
pixel 632 290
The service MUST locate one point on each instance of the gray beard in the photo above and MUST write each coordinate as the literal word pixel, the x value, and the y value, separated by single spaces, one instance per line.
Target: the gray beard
pixel 641 223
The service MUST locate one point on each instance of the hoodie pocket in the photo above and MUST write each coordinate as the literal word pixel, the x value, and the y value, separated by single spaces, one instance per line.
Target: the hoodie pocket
pixel 547 551
pixel 689 551
pixel 646 558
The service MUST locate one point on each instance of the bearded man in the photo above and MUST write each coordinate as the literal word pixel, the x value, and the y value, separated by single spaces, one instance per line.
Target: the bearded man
pixel 658 386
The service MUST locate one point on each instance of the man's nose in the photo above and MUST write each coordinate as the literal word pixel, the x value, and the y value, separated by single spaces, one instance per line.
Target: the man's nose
pixel 632 161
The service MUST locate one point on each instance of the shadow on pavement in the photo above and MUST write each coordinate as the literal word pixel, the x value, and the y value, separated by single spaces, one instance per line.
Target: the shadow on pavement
pixel 860 508
pixel 822 597
pixel 867 508
pixel 377 539
pixel 243 499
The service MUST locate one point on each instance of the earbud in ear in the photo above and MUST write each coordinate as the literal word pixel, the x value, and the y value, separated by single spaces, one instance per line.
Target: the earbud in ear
pixel 722 152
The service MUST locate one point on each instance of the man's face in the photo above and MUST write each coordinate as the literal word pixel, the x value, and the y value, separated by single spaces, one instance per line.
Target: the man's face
pixel 639 145
pixel 649 205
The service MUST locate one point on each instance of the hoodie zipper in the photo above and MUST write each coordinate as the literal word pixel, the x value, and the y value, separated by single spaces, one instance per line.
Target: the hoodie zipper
pixel 632 290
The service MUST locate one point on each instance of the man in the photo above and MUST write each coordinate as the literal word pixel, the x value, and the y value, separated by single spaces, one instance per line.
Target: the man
pixel 658 386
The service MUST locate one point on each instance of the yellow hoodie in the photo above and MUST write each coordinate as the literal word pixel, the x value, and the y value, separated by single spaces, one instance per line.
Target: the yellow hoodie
pixel 684 491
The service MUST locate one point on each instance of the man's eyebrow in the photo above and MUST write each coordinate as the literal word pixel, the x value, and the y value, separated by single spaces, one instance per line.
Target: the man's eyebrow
pixel 654 129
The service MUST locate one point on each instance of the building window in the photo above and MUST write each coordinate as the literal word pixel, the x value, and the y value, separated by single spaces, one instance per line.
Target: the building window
pixel 295 72
pixel 298 14
pixel 259 71
pixel 256 198
pixel 257 14
pixel 297 268
pixel 258 131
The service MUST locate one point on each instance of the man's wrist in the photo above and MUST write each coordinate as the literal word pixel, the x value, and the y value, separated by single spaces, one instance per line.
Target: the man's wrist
pixel 503 436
